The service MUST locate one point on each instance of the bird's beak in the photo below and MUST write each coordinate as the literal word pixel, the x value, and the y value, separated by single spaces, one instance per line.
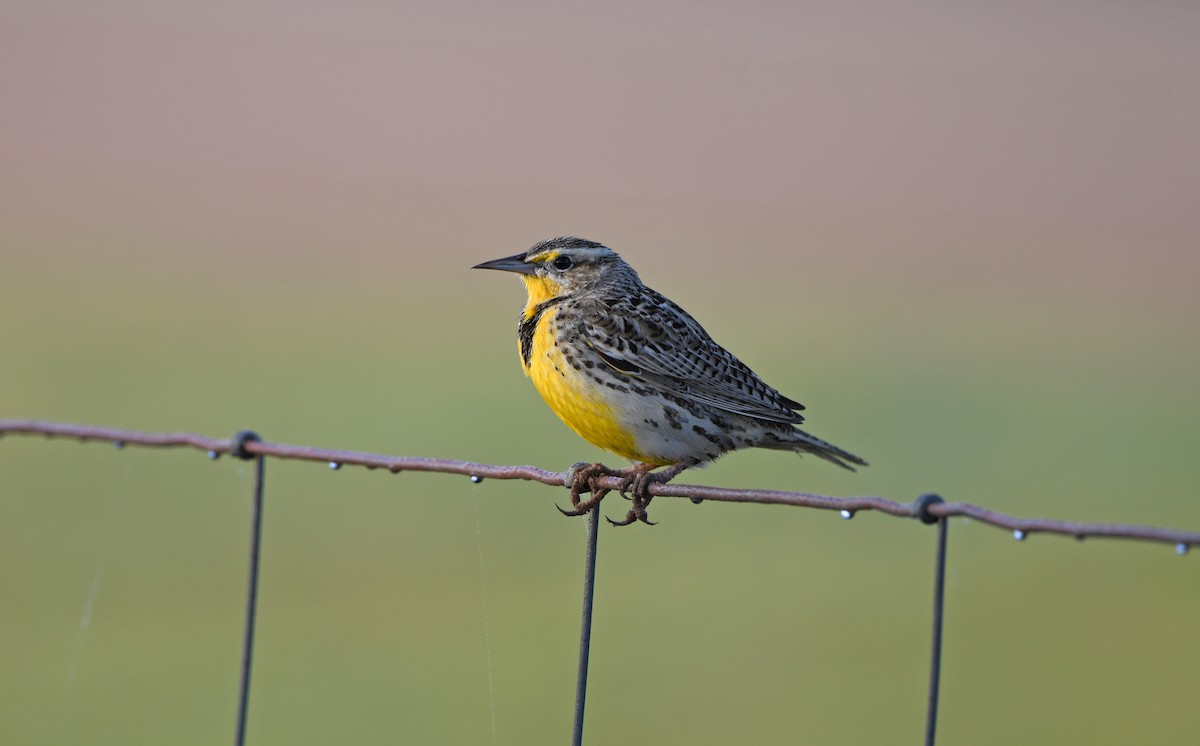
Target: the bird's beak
pixel 514 263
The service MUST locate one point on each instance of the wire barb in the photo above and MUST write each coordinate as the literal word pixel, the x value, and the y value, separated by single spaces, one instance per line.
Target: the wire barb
pixel 237 444
pixel 921 508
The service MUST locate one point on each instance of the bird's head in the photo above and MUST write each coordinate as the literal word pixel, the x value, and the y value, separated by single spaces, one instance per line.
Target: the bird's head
pixel 566 266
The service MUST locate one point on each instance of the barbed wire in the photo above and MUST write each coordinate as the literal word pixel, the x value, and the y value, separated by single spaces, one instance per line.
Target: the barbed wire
pixel 928 508
pixel 928 511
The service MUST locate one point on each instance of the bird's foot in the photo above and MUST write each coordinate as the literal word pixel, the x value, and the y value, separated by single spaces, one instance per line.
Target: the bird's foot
pixel 635 487
pixel 582 477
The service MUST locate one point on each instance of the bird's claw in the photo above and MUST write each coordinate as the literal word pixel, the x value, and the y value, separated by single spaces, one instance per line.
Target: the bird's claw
pixel 635 487
pixel 636 513
pixel 582 477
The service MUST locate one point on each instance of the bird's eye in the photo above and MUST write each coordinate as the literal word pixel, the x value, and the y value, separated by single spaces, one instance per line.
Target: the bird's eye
pixel 563 263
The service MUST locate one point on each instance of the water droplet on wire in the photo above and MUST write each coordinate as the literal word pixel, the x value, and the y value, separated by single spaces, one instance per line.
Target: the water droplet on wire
pixel 1181 549
pixel 476 478
pixel 213 455
pixel 334 465
pixel 847 514
pixel 1019 535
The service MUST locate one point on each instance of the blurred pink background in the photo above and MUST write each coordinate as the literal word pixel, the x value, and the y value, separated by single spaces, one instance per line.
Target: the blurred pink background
pixel 1055 146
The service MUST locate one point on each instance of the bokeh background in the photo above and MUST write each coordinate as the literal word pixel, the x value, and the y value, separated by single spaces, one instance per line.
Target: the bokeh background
pixel 966 236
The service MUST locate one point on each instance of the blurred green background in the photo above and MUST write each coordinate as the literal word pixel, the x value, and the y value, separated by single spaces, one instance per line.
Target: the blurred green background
pixel 965 237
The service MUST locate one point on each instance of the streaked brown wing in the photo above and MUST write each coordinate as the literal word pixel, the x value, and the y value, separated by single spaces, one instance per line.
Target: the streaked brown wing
pixel 651 338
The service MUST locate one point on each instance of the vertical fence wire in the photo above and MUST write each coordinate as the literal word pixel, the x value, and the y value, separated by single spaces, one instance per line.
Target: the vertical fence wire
pixel 251 601
pixel 935 653
pixel 585 630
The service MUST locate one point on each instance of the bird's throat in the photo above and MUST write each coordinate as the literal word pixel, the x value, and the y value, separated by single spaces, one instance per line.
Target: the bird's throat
pixel 540 289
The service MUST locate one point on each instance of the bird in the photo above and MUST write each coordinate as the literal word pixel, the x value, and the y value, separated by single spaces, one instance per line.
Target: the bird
pixel 631 372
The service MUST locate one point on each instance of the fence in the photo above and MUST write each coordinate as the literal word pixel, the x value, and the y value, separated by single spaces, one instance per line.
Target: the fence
pixel 929 509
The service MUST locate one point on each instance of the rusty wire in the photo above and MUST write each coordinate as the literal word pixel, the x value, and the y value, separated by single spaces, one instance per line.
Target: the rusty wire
pixel 1021 527
pixel 929 509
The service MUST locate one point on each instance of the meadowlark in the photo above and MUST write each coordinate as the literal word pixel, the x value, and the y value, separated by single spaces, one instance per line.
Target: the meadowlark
pixel 633 373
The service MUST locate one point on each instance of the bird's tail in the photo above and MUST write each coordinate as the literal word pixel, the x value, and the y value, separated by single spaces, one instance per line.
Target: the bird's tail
pixel 801 442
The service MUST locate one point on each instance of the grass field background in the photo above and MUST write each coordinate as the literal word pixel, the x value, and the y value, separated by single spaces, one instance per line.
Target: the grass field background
pixel 967 242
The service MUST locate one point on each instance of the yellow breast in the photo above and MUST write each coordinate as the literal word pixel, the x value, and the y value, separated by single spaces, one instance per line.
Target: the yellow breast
pixel 578 400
